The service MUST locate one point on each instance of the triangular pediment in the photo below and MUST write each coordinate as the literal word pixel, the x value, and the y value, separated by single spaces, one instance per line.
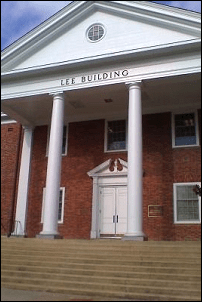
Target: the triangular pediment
pixel 110 167
pixel 130 26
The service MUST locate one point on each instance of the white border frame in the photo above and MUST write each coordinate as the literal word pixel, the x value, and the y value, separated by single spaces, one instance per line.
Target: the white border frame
pixel 63 201
pixel 195 111
pixel 106 132
pixel 48 137
pixel 175 185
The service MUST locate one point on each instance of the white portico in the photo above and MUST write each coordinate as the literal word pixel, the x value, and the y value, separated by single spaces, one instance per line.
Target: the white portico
pixel 68 76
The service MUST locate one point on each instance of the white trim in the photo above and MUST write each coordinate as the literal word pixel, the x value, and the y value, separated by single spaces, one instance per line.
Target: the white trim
pixel 63 201
pixel 175 185
pixel 8 122
pixel 185 64
pixel 196 128
pixel 66 144
pixel 101 179
pixel 170 47
pixel 98 171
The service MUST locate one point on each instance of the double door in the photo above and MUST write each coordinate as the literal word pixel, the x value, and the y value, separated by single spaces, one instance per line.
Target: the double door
pixel 113 210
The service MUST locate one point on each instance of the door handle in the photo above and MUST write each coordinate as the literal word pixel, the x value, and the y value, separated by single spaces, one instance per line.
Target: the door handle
pixel 115 218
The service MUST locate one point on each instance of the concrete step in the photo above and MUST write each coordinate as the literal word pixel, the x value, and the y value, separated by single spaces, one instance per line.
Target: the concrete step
pixel 165 271
pixel 103 273
pixel 103 279
pixel 105 255
pixel 95 292
pixel 102 242
pixel 98 266
pixel 111 260
pixel 125 288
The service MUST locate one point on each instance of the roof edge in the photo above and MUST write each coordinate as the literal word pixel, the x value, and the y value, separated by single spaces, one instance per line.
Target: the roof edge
pixel 77 8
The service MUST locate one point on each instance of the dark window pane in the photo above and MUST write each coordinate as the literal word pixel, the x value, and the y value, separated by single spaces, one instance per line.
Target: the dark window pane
pixel 64 140
pixel 185 129
pixel 60 205
pixel 117 135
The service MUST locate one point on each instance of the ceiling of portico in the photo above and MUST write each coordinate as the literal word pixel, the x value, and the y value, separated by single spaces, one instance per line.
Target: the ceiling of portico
pixel 161 95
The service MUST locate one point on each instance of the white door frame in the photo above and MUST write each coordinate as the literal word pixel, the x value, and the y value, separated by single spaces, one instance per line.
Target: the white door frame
pixel 102 176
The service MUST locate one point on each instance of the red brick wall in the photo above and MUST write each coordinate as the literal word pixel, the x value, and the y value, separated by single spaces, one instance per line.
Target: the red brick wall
pixel 85 152
pixel 10 153
pixel 163 166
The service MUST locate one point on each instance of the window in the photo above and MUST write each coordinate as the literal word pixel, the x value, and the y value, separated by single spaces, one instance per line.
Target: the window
pixel 115 135
pixel 60 207
pixel 64 141
pixel 95 33
pixel 187 204
pixel 185 130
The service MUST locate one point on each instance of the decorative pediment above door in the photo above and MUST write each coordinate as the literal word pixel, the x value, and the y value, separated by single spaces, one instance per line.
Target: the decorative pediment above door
pixel 110 167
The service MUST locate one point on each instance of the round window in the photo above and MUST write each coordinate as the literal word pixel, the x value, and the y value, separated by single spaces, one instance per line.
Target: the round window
pixel 95 32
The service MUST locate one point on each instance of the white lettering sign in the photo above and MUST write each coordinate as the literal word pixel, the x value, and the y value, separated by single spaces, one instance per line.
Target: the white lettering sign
pixel 94 77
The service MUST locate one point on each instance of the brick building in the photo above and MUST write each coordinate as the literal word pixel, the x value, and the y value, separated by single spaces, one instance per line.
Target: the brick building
pixel 101 124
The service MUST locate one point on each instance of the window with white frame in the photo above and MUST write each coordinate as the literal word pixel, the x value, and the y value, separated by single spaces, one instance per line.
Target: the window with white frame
pixel 96 32
pixel 115 135
pixel 187 204
pixel 64 141
pixel 60 205
pixel 185 130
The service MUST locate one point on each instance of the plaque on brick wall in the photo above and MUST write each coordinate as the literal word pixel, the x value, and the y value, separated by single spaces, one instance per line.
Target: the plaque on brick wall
pixel 155 211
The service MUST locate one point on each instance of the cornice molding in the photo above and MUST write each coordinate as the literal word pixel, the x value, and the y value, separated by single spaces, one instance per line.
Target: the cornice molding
pixel 191 45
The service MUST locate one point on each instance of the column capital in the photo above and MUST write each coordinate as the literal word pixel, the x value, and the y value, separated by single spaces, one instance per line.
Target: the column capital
pixel 57 94
pixel 134 85
pixel 28 128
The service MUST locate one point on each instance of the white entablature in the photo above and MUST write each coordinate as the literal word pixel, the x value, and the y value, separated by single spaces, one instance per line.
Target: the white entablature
pixel 143 41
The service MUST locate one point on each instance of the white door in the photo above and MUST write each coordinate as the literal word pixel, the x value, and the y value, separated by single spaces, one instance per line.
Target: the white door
pixel 113 210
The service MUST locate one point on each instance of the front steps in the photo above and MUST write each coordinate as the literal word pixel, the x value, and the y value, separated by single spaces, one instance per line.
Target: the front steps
pixel 153 271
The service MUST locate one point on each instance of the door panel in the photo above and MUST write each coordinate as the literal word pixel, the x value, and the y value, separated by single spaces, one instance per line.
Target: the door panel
pixel 114 210
pixel 107 211
pixel 121 210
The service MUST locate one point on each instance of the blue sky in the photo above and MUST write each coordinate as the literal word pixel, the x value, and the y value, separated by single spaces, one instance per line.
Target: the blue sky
pixel 19 17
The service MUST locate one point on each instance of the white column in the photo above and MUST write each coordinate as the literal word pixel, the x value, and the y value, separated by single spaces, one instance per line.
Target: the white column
pixel 23 186
pixel 50 219
pixel 135 170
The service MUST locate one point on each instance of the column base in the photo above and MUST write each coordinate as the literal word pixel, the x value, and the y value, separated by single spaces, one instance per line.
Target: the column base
pixel 93 235
pixel 135 237
pixel 49 236
pixel 17 236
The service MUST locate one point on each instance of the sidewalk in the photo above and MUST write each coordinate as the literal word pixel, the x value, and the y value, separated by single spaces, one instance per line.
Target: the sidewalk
pixel 24 295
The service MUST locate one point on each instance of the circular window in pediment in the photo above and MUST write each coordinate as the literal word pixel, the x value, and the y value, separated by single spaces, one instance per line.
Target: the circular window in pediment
pixel 95 32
